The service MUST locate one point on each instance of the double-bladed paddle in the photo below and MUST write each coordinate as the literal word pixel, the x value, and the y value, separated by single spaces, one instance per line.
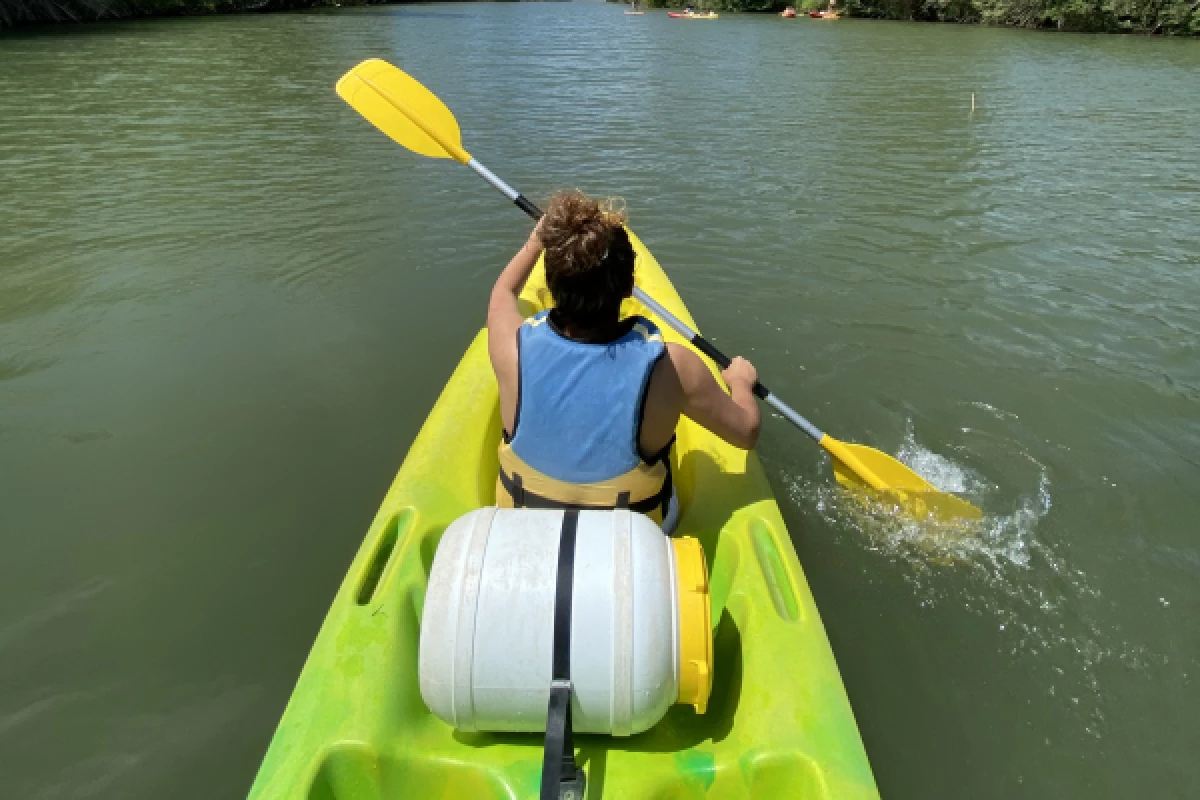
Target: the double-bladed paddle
pixel 414 117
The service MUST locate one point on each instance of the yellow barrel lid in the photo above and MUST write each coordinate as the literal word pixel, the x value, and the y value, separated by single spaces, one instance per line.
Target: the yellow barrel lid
pixel 695 624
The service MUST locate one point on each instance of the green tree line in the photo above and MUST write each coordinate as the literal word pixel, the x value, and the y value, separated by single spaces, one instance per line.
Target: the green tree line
pixel 17 12
pixel 1175 17
pixel 1170 17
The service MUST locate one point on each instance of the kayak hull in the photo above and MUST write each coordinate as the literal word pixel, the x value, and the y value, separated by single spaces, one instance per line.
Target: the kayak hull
pixel 778 724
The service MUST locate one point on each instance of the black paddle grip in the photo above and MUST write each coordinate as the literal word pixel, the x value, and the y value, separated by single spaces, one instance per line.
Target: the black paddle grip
pixel 528 207
pixel 716 355
pixel 722 361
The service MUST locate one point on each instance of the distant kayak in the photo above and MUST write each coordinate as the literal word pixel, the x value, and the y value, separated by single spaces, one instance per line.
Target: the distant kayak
pixel 685 15
pixel 788 14
pixel 634 13
pixel 824 15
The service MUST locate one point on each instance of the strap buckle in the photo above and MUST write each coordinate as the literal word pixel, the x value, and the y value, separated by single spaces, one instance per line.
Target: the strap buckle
pixel 562 779
pixel 559 741
pixel 518 491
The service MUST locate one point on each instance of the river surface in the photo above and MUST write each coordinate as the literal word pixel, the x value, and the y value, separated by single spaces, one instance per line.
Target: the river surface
pixel 227 304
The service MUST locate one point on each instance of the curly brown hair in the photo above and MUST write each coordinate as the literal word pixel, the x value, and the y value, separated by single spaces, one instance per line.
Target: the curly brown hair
pixel 589 259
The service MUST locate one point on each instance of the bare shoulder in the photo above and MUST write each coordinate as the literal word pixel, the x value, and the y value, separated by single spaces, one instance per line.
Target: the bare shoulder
pixel 666 371
pixel 663 405
pixel 687 366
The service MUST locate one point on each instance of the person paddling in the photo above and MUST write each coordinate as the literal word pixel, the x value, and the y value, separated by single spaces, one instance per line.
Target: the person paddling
pixel 589 401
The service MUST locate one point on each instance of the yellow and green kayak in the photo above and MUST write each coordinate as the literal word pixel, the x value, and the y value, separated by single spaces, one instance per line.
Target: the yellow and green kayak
pixel 778 724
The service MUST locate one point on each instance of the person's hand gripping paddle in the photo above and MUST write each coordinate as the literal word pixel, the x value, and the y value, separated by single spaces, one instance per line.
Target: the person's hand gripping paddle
pixel 414 117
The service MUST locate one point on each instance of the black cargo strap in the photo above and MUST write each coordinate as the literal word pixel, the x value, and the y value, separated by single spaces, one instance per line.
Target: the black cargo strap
pixel 562 779
pixel 524 498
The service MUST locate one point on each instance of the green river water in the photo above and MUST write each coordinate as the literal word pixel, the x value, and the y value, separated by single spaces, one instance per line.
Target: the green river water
pixel 227 304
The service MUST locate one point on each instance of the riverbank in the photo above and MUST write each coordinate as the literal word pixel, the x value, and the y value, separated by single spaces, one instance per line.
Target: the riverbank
pixel 34 12
pixel 1158 17
pixel 1170 17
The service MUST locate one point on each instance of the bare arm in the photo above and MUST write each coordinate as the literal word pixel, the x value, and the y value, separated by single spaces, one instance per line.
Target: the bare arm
pixel 504 319
pixel 504 315
pixel 734 416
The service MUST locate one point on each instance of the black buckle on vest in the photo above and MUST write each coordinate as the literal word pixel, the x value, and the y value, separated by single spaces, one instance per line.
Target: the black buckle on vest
pixel 524 498
pixel 562 779
pixel 517 490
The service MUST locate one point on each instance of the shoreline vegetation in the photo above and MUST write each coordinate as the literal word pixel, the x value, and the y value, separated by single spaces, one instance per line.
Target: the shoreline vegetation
pixel 37 12
pixel 1153 17
pixel 1156 17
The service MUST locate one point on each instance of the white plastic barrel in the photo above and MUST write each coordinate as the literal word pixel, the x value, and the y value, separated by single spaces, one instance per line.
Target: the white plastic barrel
pixel 640 622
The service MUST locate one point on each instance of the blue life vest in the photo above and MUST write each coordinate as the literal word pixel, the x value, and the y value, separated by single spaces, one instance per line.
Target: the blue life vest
pixel 579 406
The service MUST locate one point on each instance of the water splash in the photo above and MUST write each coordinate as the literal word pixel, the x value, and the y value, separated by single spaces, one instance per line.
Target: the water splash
pixel 996 568
pixel 998 538
pixel 944 474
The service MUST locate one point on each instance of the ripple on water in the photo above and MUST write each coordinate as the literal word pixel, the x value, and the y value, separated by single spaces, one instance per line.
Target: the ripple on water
pixel 997 568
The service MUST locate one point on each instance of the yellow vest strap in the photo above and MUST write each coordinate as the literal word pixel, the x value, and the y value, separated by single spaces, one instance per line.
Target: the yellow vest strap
pixel 525 498
pixel 646 489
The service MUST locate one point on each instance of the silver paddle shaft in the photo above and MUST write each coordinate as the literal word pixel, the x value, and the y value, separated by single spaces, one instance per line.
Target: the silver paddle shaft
pixel 697 341
pixel 704 346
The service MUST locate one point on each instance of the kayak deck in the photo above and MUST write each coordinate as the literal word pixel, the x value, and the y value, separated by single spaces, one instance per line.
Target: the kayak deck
pixel 778 725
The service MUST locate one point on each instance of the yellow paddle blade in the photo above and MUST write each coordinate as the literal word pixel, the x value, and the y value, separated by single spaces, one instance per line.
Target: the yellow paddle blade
pixel 857 466
pixel 397 104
